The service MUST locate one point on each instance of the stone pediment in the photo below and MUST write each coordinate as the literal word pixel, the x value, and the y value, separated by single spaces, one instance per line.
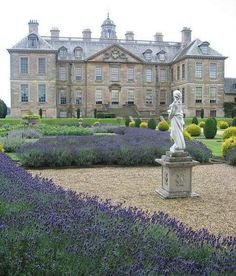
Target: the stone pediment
pixel 115 54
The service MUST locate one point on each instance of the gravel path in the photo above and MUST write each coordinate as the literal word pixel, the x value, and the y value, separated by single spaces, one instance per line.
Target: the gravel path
pixel 215 209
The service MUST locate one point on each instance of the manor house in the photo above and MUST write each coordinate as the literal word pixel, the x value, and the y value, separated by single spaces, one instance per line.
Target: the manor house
pixel 56 76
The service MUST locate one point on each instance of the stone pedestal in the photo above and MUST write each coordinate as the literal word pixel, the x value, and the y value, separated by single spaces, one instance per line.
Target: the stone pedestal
pixel 176 175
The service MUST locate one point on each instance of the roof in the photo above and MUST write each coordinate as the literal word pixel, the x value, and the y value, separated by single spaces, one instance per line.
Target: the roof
pixel 193 49
pixel 230 86
pixel 173 51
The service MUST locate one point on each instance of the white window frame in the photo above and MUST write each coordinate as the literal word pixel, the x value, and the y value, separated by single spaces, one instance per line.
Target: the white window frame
pixel 24 68
pixel 78 96
pixel 130 96
pixel 213 70
pixel 130 74
pixel 98 74
pixel 98 96
pixel 212 94
pixel 149 74
pixel 162 97
pixel 62 97
pixel 163 75
pixel 42 98
pixel 149 97
pixel 198 94
pixel 62 73
pixel 115 73
pixel 43 72
pixel 26 95
pixel 198 70
pixel 78 73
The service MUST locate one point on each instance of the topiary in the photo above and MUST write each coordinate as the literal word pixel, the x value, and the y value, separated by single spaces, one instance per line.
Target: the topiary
pixel 132 124
pixel 229 132
pixel 233 123
pixel 187 136
pixel 202 113
pixel 3 109
pixel 137 122
pixel 228 144
pixel 195 120
pixel 210 128
pixel 223 124
pixel 193 130
pixel 214 119
pixel 127 121
pixel 201 124
pixel 163 126
pixel 144 125
pixel 152 123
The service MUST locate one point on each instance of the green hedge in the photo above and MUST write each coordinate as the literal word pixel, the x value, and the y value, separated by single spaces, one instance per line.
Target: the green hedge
pixel 105 115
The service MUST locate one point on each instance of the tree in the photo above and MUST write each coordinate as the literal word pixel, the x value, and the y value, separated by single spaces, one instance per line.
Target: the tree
pixel 3 109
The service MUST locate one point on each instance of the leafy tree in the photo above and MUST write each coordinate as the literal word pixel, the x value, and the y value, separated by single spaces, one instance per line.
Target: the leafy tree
pixel 152 123
pixel 3 109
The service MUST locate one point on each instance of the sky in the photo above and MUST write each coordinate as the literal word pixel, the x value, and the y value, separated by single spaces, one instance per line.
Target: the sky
pixel 210 20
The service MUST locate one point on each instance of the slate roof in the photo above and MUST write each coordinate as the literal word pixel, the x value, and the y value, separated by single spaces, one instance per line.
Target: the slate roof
pixel 230 86
pixel 173 50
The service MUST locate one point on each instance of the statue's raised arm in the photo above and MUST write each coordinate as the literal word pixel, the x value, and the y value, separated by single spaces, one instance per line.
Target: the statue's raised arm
pixel 177 122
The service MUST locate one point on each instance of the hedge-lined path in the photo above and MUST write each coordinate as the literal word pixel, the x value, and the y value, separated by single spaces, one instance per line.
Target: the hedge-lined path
pixel 215 209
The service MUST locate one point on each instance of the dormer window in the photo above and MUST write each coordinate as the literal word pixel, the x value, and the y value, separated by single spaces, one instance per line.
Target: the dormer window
pixel 204 47
pixel 33 41
pixel 78 52
pixel 161 55
pixel 148 54
pixel 234 86
pixel 62 52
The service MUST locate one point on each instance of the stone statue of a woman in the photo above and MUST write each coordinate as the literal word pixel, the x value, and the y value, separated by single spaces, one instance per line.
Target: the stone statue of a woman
pixel 177 122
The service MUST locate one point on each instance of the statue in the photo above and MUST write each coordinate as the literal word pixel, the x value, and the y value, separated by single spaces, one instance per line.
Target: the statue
pixel 177 122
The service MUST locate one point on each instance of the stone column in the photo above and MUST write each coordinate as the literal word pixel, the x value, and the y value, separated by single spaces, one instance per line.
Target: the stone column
pixel 176 175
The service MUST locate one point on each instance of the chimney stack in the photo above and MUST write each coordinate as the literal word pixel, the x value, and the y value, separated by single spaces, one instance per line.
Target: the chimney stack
pixel 87 34
pixel 55 32
pixel 186 36
pixel 129 36
pixel 33 26
pixel 158 37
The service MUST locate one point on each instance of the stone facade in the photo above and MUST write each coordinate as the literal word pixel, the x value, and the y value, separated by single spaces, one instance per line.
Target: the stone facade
pixel 60 75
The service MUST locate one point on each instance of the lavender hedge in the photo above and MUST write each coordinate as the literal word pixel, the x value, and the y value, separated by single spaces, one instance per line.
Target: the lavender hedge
pixel 130 147
pixel 45 230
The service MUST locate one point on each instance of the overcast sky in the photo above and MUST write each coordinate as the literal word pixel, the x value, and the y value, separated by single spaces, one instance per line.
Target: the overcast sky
pixel 210 20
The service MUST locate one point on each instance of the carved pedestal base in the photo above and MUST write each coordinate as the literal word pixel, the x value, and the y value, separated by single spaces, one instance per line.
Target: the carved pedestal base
pixel 176 175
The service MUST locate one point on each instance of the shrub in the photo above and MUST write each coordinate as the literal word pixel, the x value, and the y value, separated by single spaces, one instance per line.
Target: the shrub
pixel 3 109
pixel 223 124
pixel 229 132
pixel 152 124
pixel 198 151
pixel 137 122
pixel 95 113
pixel 210 128
pixel 144 125
pixel 201 124
pixel 233 123
pixel 12 144
pixel 78 113
pixel 132 124
pixel 163 126
pixel 63 130
pixel 231 156
pixel 187 136
pixel 228 144
pixel 96 123
pixel 193 130
pixel 195 120
pixel 26 133
pixel 47 229
pixel 127 121
pixel 1 148
pixel 105 115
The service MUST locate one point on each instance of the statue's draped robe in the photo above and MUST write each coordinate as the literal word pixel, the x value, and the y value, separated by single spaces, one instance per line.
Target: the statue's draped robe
pixel 177 123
